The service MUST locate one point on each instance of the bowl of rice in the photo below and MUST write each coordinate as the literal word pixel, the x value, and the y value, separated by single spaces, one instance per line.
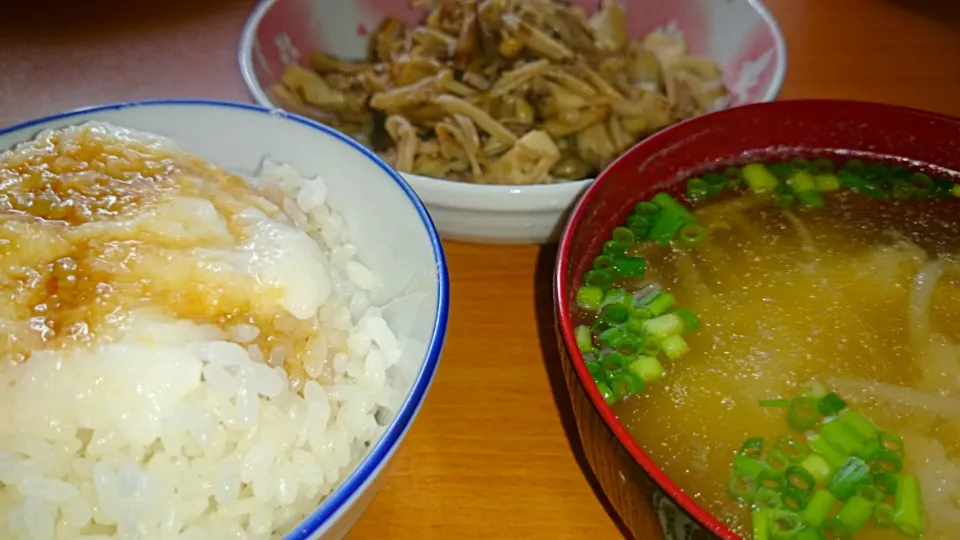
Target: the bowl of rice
pixel 219 321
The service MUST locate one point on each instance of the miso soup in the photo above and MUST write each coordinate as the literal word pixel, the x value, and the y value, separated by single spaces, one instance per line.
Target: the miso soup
pixel 856 295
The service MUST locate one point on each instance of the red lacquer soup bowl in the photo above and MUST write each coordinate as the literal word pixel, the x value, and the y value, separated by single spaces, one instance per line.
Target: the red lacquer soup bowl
pixel 650 505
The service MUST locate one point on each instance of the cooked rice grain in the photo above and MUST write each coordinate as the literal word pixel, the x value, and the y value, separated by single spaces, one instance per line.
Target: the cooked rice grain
pixel 189 431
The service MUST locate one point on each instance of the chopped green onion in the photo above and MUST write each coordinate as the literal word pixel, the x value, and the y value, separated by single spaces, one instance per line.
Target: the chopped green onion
pixel 623 235
pixel 784 524
pixel 752 447
pixel 646 208
pixel 715 179
pixel 770 478
pixel 793 499
pixel 611 338
pixel 698 189
pixel 589 297
pixel 800 478
pixel 892 442
pixel 618 297
pixel 664 326
pixel 584 338
pixel 834 529
pixel 600 278
pixel 614 314
pixel 855 513
pixel 883 515
pixel 871 493
pixel 634 323
pixel 802 181
pixel 877 171
pixel 783 195
pixel 827 182
pixel 921 182
pixel 899 171
pixel 817 467
pixel 810 200
pixel 665 227
pixel 860 423
pixel 667 203
pixel 874 190
pixel 868 451
pixel 639 225
pixel 659 303
pixel 818 507
pixel 822 165
pixel 907 512
pixel 885 482
pixel 760 523
pixel 886 461
pixel 831 404
pixel 690 235
pixel 651 347
pixel 759 178
pixel 854 165
pixel 827 450
pixel 791 447
pixel 799 164
pixel 848 478
pixel 630 267
pixel 850 180
pixel 691 323
pixel 955 190
pixel 780 170
pixel 747 465
pixel 777 461
pixel 808 534
pixel 942 187
pixel 742 488
pixel 647 368
pixel 767 498
pixel 602 262
pixel 606 392
pixel 597 370
pixel 629 345
pixel 903 190
pixel 624 383
pixel 802 413
pixel 641 312
pixel 842 435
pixel 779 403
pixel 732 172
pixel 612 248
pixel 674 347
pixel 613 361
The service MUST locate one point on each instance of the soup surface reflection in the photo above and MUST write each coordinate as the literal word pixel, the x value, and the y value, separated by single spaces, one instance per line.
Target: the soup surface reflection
pixel 863 296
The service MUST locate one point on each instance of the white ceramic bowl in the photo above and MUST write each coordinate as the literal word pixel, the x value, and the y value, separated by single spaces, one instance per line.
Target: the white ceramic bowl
pixel 740 35
pixel 392 230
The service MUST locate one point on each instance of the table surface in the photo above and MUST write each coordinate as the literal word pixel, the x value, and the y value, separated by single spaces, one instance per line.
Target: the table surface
pixel 494 453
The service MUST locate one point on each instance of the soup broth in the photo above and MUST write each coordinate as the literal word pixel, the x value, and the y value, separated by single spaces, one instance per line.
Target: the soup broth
pixel 862 295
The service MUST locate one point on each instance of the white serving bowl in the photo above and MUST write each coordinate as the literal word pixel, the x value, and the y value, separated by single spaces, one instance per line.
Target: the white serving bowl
pixel 740 35
pixel 388 223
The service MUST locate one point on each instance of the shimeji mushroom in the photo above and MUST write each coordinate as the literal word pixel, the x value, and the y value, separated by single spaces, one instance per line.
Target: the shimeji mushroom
pixel 405 137
pixel 528 162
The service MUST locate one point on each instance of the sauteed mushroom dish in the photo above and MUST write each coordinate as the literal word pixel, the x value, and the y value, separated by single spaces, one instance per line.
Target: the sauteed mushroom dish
pixel 505 91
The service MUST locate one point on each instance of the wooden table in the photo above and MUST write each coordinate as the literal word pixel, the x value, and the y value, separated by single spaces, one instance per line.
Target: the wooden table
pixel 493 453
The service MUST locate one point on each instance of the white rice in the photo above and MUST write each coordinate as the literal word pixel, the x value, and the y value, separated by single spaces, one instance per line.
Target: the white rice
pixel 186 431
